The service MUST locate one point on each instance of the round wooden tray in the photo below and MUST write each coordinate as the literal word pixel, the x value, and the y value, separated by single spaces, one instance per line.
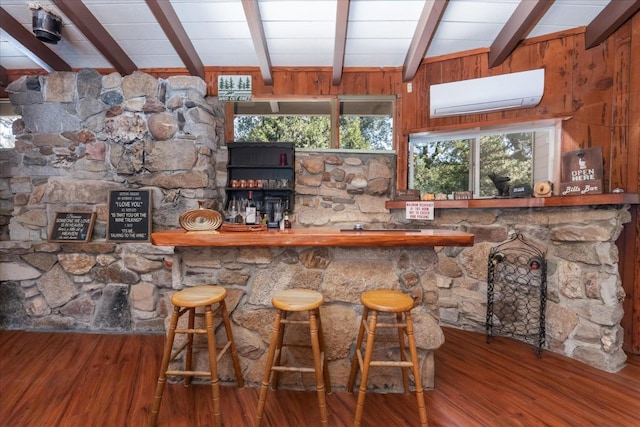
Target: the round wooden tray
pixel 226 226
pixel 200 220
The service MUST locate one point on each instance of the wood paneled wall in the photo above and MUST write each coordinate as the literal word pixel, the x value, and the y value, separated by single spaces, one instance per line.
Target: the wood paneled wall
pixel 597 90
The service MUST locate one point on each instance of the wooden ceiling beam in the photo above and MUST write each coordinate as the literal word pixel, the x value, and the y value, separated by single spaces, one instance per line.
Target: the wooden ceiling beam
pixel 175 32
pixel 4 77
pixel 609 20
pixel 93 30
pixel 254 19
pixel 30 45
pixel 427 26
pixel 342 19
pixel 521 22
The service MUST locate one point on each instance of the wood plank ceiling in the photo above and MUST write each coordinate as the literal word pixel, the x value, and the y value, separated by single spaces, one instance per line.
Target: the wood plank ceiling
pixel 127 35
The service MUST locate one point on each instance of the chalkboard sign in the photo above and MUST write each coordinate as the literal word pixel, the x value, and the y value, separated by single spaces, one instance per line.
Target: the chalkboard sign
pixel 72 227
pixel 129 215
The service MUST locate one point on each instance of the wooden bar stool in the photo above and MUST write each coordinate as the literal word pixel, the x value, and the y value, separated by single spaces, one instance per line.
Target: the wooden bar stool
pixel 386 301
pixel 287 301
pixel 186 301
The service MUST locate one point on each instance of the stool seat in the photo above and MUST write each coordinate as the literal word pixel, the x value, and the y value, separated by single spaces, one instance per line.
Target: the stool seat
pixel 387 301
pixel 198 296
pixel 297 300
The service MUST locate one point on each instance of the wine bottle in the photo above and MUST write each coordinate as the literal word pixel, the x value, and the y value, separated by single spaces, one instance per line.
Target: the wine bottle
pixel 250 213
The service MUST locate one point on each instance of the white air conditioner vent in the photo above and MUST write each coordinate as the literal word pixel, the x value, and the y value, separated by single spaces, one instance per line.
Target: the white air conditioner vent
pixel 495 93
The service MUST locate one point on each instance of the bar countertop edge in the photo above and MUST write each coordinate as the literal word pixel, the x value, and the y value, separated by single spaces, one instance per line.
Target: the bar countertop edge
pixel 313 238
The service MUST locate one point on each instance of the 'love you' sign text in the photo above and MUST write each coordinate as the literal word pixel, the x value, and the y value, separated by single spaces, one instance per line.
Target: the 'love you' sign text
pixel 129 215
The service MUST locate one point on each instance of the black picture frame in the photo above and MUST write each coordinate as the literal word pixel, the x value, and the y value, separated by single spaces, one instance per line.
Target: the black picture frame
pixel 72 227
pixel 129 216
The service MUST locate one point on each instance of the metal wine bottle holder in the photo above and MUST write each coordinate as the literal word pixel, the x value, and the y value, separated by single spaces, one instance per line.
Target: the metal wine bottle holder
pixel 517 292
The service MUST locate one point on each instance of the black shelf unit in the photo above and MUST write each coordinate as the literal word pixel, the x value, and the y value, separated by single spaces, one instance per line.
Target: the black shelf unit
pixel 261 161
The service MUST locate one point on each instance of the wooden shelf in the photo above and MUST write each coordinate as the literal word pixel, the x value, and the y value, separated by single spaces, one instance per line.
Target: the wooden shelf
pixel 530 202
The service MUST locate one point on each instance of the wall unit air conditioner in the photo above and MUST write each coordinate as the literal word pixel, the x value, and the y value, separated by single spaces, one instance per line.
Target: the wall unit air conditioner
pixel 506 91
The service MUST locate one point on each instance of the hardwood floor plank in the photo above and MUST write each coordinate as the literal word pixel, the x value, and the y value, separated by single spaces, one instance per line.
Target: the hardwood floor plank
pixel 74 379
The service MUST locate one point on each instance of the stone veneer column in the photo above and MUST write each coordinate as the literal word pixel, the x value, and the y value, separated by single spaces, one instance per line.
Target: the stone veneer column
pixel 81 135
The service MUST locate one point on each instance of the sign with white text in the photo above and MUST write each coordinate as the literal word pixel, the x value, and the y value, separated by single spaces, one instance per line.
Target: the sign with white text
pixel 129 215
pixel 419 210
pixel 582 172
pixel 72 226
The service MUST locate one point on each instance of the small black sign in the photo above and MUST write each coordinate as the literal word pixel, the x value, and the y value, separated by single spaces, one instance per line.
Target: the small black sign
pixel 129 215
pixel 72 227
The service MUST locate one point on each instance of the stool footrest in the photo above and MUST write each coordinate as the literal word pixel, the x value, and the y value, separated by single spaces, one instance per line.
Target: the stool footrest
pixel 178 351
pixel 397 363
pixel 223 350
pixel 385 325
pixel 191 331
pixel 190 373
pixel 281 368
pixel 292 369
pixel 294 322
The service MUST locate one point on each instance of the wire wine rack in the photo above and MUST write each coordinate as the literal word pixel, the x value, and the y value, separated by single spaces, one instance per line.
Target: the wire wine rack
pixel 517 292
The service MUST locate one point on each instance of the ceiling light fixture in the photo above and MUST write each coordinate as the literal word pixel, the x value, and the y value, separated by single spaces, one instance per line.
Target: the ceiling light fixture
pixel 46 25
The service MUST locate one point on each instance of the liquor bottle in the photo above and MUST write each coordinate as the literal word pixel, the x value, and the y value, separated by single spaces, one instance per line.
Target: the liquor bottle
pixel 287 223
pixel 250 213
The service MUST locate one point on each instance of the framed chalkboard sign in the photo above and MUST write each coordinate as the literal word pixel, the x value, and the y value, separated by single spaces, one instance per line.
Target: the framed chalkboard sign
pixel 129 215
pixel 72 227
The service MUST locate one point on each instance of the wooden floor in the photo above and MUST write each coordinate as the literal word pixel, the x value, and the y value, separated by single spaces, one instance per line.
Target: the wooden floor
pixel 71 379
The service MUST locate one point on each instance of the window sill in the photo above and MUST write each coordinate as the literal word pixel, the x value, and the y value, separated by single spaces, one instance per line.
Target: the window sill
pixel 530 202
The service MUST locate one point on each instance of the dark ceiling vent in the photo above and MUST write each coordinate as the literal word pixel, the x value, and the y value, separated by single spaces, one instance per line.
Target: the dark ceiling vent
pixel 46 26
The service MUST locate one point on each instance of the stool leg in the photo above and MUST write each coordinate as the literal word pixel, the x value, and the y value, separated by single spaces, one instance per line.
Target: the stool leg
pixel 325 363
pixel 188 358
pixel 416 370
pixel 365 368
pixel 213 366
pixel 275 379
pixel 403 355
pixel 318 366
pixel 162 377
pixel 264 388
pixel 355 364
pixel 234 351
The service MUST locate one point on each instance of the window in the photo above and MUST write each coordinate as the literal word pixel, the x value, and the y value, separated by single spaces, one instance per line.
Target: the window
pixel 462 161
pixel 364 123
pixel 7 117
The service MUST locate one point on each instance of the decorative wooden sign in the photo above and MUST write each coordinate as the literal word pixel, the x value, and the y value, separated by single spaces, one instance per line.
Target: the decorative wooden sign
pixel 129 215
pixel 582 172
pixel 72 227
pixel 234 88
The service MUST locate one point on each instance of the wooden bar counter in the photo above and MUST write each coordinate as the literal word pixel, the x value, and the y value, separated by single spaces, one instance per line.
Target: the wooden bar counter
pixel 313 237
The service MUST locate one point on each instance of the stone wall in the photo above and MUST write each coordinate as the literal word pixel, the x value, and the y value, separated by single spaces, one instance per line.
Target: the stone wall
pixel 584 289
pixel 83 134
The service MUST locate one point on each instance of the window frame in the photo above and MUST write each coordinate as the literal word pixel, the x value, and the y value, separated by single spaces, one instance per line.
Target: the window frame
pixel 334 104
pixel 550 171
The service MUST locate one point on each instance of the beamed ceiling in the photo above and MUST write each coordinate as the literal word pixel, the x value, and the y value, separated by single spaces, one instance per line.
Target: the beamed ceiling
pixel 127 35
